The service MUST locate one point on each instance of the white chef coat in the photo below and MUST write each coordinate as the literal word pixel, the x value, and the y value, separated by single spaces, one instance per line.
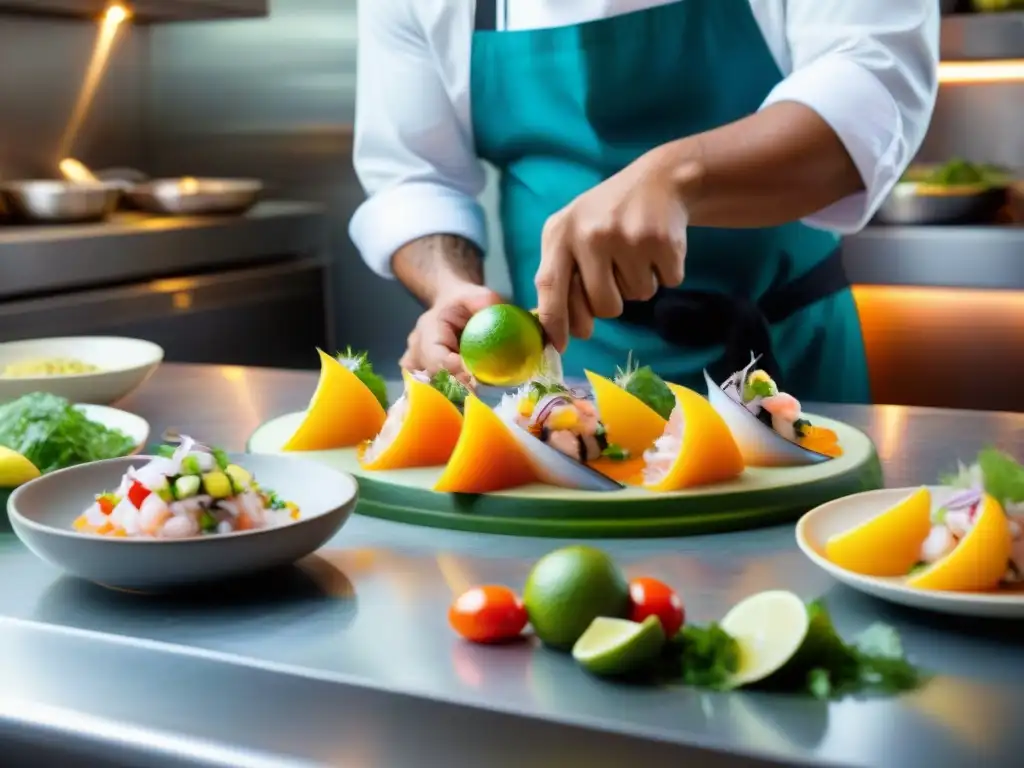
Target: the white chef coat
pixel 868 67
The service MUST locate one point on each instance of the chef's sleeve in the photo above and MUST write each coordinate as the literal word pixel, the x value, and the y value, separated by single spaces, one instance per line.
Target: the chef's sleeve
pixel 869 68
pixel 413 150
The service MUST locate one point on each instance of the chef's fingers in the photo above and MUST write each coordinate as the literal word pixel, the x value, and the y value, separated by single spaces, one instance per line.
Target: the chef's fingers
pixel 637 281
pixel 597 273
pixel 581 318
pixel 552 281
pixel 669 260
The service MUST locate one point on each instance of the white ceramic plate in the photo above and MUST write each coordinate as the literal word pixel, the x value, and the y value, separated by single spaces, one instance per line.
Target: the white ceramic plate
pixel 136 427
pixel 815 528
pixel 124 365
pixel 42 513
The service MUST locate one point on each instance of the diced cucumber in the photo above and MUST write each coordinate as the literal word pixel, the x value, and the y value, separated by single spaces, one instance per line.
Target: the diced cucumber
pixel 222 458
pixel 165 450
pixel 241 480
pixel 217 484
pixel 207 523
pixel 190 466
pixel 166 493
pixel 186 486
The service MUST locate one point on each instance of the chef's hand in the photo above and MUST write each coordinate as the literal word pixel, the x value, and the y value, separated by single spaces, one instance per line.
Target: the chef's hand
pixel 434 342
pixel 618 241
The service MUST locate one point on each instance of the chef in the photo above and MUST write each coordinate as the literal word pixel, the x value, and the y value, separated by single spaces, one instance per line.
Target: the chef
pixel 675 175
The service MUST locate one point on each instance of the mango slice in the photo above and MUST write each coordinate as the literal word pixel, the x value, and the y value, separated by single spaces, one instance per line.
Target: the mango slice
pixel 487 456
pixel 428 434
pixel 978 563
pixel 342 413
pixel 887 544
pixel 708 453
pixel 631 423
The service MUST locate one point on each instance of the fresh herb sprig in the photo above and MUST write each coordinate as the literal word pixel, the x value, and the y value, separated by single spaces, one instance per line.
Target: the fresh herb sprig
pixel 450 387
pixel 645 385
pixel 359 363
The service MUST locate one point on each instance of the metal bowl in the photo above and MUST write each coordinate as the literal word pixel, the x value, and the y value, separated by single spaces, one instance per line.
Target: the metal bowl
pixel 59 202
pixel 912 202
pixel 188 196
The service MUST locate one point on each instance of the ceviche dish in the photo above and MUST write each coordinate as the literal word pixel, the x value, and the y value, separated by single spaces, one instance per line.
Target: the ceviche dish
pixel 189 490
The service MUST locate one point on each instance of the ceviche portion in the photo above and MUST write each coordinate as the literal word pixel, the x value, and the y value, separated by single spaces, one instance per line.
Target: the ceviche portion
pixel 188 490
pixel 756 391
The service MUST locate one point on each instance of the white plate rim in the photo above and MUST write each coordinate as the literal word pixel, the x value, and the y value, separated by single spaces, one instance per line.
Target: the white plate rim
pixel 100 414
pixel 156 357
pixel 879 586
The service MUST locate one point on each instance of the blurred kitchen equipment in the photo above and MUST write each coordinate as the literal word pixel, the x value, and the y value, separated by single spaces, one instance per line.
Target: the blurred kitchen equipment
pixel 952 193
pixel 995 6
pixel 191 196
pixel 59 202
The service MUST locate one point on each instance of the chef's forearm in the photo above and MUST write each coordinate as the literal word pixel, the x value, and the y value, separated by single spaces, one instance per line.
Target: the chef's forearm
pixel 431 265
pixel 779 165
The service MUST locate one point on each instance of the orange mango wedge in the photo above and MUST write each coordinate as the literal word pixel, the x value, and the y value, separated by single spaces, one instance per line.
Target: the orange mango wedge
pixel 887 544
pixel 631 423
pixel 342 413
pixel 978 563
pixel 428 434
pixel 487 456
pixel 708 454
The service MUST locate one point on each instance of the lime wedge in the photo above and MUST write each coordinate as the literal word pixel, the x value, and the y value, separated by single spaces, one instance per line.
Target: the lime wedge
pixel 15 469
pixel 770 628
pixel 612 647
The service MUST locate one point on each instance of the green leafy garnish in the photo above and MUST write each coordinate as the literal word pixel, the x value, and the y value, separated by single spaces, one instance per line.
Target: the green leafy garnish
pixel 1002 476
pixel 450 387
pixel 539 388
pixel 53 434
pixel 758 384
pixel 645 385
pixel 360 365
pixel 709 656
pixel 615 452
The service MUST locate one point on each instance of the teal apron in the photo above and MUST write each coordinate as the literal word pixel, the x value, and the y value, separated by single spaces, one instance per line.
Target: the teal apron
pixel 560 110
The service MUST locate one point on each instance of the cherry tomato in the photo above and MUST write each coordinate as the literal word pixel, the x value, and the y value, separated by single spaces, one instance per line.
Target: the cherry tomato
pixel 137 494
pixel 488 614
pixel 651 597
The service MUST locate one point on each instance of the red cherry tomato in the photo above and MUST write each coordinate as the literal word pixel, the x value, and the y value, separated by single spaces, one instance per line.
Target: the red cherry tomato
pixel 651 597
pixel 488 614
pixel 137 494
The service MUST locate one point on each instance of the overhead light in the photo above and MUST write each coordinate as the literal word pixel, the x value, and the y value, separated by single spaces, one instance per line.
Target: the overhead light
pixel 967 72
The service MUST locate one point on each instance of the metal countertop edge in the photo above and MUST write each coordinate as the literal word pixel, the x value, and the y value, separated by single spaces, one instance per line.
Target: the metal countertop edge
pixel 169 741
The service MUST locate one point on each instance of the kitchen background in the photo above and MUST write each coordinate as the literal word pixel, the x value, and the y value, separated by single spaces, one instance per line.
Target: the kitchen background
pixel 191 89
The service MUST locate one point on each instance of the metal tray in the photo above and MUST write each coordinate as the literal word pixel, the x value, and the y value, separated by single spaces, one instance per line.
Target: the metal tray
pixel 189 196
pixel 58 202
pixel 912 202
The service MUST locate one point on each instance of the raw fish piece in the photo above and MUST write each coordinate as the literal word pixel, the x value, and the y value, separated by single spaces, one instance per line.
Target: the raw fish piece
pixel 696 447
pixel 487 457
pixel 421 430
pixel 760 445
pixel 555 468
pixel 342 413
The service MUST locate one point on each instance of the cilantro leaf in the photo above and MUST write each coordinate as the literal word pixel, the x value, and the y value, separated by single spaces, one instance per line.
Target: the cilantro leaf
pixel 1004 477
pixel 450 387
pixel 709 656
pixel 360 365
pixel 647 387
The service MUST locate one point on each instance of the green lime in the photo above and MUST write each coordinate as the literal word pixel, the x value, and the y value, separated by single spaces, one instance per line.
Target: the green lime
pixel 569 588
pixel 612 647
pixel 502 345
pixel 15 469
pixel 770 629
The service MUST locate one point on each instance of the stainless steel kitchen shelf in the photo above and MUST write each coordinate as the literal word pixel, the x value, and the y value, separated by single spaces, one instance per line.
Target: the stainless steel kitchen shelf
pixel 145 11
pixel 980 36
pixel 50 259
pixel 990 257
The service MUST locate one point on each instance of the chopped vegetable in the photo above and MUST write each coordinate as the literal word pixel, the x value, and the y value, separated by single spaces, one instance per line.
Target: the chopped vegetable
pixel 360 365
pixel 709 656
pixel 53 434
pixel 450 387
pixel 645 385
pixel 615 452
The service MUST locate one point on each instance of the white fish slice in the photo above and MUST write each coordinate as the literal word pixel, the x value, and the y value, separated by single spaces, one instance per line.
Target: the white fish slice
pixel 760 445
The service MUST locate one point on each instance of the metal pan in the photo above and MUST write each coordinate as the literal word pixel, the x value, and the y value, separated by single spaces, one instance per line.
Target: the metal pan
pixel 189 196
pixel 59 202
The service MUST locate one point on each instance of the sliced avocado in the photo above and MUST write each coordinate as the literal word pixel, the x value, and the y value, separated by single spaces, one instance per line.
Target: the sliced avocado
pixel 241 480
pixel 186 486
pixel 190 466
pixel 217 485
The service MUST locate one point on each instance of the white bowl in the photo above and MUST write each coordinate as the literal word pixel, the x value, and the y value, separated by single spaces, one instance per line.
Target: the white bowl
pixel 124 365
pixel 821 523
pixel 42 513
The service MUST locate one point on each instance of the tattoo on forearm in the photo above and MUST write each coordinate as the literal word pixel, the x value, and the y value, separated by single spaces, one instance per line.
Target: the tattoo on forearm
pixel 425 264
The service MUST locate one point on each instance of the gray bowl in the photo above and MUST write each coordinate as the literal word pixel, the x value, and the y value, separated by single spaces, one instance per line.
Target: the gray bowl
pixel 42 512
pixel 60 202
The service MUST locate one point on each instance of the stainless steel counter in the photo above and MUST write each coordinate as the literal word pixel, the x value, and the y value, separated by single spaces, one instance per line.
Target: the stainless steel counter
pixel 348 660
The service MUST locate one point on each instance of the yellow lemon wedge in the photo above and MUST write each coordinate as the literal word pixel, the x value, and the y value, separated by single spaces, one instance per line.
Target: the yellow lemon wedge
pixel 429 432
pixel 887 544
pixel 487 457
pixel 15 469
pixel 342 413
pixel 707 454
pixel 630 422
pixel 978 563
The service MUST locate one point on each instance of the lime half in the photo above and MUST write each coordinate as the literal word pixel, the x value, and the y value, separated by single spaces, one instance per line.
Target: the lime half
pixel 770 628
pixel 612 647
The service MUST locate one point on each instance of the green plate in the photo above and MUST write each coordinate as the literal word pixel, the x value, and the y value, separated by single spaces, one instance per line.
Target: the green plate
pixel 760 496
